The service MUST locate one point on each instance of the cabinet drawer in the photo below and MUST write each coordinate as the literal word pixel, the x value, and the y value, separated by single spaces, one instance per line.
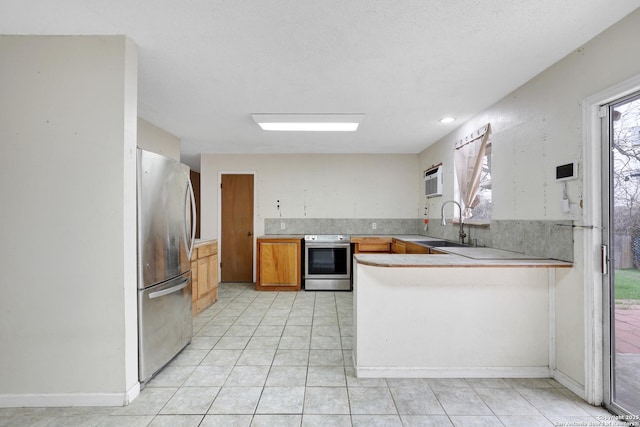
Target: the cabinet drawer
pixel 373 247
pixel 207 250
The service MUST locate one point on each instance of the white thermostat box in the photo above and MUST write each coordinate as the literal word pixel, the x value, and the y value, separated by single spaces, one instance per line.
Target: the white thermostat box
pixel 567 171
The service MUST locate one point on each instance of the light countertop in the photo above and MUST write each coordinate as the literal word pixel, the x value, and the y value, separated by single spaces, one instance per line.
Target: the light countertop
pixel 405 237
pixel 199 242
pixel 467 256
pixel 488 253
pixel 282 236
pixel 453 260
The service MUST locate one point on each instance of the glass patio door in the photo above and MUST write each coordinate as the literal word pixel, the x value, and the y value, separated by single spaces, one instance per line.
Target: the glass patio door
pixel 621 190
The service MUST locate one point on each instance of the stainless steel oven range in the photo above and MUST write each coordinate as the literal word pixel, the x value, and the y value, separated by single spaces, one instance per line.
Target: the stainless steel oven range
pixel 327 262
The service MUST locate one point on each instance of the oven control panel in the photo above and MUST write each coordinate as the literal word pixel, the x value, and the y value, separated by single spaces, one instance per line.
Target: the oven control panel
pixel 326 238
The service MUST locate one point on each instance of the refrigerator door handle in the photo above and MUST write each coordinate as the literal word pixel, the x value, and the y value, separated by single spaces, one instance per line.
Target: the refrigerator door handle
pixel 170 290
pixel 192 198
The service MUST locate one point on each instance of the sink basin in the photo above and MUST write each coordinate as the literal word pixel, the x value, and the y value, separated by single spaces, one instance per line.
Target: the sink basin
pixel 440 243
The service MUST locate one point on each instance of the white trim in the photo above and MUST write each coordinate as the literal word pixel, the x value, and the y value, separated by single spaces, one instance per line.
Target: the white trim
pixel 592 216
pixel 569 383
pixel 442 372
pixel 33 400
pixel 132 393
pixel 551 278
pixel 255 201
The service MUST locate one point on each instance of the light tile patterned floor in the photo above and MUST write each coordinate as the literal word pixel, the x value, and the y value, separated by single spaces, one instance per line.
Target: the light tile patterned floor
pixel 284 359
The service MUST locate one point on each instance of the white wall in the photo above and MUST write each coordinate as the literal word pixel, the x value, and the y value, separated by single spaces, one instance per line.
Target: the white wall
pixel 536 128
pixel 68 108
pixel 157 140
pixel 316 186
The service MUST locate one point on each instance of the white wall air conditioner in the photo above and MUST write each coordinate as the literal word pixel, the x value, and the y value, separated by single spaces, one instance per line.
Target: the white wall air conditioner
pixel 433 182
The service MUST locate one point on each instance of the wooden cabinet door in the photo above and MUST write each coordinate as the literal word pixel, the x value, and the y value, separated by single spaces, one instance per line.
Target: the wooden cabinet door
pixel 194 278
pixel 414 248
pixel 207 274
pixel 213 274
pixel 279 264
pixel 204 276
pixel 398 247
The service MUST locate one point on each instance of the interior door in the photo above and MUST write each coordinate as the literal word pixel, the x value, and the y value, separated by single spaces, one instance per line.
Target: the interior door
pixel 236 246
pixel 621 189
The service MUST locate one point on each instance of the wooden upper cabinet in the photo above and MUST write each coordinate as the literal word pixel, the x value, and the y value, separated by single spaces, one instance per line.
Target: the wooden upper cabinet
pixel 371 244
pixel 279 264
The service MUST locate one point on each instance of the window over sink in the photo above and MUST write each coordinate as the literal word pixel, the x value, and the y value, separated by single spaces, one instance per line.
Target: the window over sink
pixel 472 160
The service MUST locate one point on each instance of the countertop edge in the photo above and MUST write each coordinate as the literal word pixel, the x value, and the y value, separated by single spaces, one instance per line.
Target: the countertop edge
pixel 452 261
pixel 200 242
pixel 280 236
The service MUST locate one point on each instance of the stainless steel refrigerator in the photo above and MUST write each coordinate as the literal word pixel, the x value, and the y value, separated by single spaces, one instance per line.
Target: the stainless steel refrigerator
pixel 165 241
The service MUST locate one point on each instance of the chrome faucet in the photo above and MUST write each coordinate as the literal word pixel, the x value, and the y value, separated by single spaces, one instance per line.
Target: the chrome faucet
pixel 462 234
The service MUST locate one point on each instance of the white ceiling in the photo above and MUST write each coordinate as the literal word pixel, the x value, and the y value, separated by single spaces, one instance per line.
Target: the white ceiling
pixel 206 65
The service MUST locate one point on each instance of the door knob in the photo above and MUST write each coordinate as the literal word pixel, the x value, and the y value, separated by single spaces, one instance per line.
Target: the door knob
pixel 249 234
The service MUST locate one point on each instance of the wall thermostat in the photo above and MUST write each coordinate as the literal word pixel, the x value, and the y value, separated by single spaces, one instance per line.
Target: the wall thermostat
pixel 567 171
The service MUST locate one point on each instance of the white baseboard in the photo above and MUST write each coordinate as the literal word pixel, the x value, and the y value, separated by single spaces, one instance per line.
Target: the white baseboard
pixel 569 383
pixel 492 372
pixel 31 400
pixel 132 393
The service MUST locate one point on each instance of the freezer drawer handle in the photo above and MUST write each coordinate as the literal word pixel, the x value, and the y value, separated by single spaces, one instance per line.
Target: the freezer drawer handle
pixel 170 290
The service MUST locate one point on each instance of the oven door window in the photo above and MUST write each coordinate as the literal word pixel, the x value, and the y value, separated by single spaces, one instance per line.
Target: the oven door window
pixel 323 261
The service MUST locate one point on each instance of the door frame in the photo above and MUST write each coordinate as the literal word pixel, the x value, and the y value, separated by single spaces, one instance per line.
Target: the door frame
pixel 235 172
pixel 595 316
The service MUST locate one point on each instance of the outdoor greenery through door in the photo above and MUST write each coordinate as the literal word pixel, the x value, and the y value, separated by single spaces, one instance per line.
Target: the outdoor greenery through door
pixel 624 241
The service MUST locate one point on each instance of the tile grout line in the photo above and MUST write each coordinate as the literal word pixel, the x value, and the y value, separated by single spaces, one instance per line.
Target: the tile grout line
pixel 243 301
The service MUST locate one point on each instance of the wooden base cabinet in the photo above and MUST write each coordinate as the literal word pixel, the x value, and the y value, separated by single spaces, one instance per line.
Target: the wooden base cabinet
pixel 398 246
pixel 371 245
pixel 414 248
pixel 204 275
pixel 279 264
pixel 404 247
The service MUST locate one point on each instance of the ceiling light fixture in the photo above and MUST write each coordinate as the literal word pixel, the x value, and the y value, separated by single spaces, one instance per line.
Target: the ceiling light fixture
pixel 447 120
pixel 308 122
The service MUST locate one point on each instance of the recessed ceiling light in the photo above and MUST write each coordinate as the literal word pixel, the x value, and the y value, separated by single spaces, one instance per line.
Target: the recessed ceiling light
pixel 308 122
pixel 447 120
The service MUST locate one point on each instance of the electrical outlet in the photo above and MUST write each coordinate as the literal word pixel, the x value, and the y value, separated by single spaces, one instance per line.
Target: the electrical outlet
pixel 282 226
pixel 374 225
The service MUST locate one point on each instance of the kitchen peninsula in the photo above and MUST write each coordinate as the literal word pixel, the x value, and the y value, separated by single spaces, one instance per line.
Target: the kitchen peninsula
pixel 471 312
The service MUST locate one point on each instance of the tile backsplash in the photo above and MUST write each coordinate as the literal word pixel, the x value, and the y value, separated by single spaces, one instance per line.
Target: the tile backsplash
pixel 548 238
pixel 341 226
